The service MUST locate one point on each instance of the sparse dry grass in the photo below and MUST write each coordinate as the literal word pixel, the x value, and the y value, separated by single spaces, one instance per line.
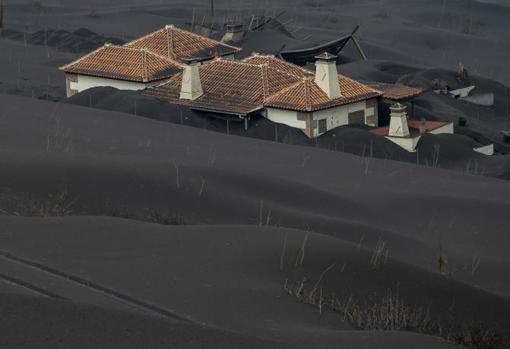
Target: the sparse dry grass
pixel 387 313
pixel 392 313
pixel 476 337
pixel 55 204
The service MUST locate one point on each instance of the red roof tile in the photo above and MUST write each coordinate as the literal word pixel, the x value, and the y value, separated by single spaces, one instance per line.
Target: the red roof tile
pixel 306 95
pixel 122 63
pixel 223 90
pixel 279 64
pixel 395 92
pixel 261 81
pixel 176 43
pixel 229 85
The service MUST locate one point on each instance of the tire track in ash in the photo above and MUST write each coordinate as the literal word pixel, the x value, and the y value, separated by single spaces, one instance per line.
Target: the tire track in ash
pixel 32 288
pixel 129 300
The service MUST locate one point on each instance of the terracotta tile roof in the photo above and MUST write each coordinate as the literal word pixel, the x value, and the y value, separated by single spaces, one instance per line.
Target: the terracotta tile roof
pixel 261 81
pixel 279 64
pixel 176 43
pixel 414 127
pixel 230 86
pixel 395 92
pixel 429 125
pixel 122 63
pixel 306 95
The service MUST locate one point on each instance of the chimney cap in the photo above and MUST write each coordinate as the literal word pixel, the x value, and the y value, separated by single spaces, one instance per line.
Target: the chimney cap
pixel 327 57
pixel 234 27
pixel 398 106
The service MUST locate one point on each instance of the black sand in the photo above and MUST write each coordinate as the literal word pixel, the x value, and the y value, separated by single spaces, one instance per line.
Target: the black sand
pixel 122 226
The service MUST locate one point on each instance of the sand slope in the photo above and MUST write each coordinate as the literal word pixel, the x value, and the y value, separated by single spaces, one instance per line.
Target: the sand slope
pixel 237 209
pixel 224 277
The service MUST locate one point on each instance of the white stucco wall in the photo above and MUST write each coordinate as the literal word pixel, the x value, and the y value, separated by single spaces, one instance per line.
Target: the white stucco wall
pixel 339 116
pixel 486 149
pixel 85 82
pixel 287 117
pixel 335 117
pixel 448 128
pixel 407 143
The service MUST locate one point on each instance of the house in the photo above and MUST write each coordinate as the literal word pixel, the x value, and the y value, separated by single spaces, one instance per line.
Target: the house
pixel 407 133
pixel 185 68
pixel 314 102
pixel 142 63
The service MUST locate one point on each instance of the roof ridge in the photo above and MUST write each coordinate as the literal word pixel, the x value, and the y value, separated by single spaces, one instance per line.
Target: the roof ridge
pixel 284 72
pixel 138 49
pixel 358 82
pixel 168 59
pixel 145 71
pixel 234 61
pixel 265 82
pixel 170 38
pixel 283 90
pixel 308 102
pixel 274 58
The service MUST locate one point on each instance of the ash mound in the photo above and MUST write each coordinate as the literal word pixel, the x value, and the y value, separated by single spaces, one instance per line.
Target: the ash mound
pixel 453 152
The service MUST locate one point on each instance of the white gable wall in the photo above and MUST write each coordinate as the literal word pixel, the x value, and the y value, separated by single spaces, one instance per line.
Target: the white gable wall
pixel 287 117
pixel 339 116
pixel 335 117
pixel 448 128
pixel 84 82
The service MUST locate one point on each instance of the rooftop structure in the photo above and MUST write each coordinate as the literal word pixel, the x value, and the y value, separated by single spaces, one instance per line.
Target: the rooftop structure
pixel 123 63
pixel 281 91
pixel 185 68
pixel 177 44
pixel 407 133
pixel 143 62
pixel 230 86
pixel 395 92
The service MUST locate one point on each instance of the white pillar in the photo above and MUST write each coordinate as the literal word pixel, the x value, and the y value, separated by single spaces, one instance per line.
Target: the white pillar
pixel 326 75
pixel 191 87
pixel 398 121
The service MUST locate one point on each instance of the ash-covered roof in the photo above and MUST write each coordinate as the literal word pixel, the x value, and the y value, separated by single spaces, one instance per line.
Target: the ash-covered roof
pixel 122 63
pixel 395 92
pixel 177 44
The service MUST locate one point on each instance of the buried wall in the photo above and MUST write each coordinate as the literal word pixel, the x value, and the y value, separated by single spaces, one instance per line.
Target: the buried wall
pixel 364 112
pixel 76 83
pixel 314 124
pixel 408 143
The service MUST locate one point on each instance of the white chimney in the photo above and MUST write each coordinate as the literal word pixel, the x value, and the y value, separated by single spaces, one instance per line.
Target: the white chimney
pixel 398 121
pixel 234 32
pixel 191 87
pixel 326 75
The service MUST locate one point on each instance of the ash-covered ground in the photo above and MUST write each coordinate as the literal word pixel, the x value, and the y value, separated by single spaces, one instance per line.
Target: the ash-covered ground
pixel 125 222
